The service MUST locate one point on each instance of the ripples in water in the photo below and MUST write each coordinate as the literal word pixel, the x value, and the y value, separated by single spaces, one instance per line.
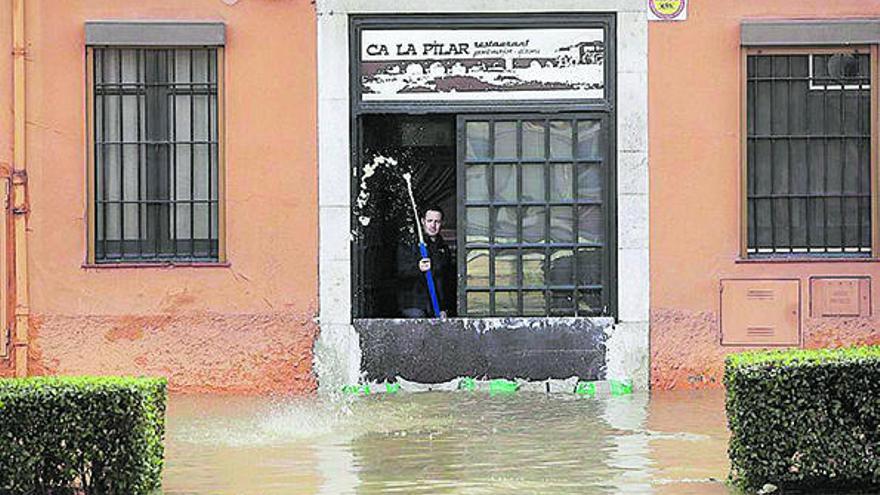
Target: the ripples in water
pixel 447 442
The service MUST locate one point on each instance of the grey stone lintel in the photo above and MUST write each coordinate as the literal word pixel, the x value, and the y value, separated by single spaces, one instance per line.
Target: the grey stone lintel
pixel 155 33
pixel 814 32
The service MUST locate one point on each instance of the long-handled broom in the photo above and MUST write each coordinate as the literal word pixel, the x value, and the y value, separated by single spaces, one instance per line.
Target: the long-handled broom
pixel 423 248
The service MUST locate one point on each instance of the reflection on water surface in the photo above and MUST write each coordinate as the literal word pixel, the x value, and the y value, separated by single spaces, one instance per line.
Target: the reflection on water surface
pixel 443 442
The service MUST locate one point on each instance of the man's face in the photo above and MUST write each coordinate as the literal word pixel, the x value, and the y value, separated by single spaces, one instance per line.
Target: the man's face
pixel 432 222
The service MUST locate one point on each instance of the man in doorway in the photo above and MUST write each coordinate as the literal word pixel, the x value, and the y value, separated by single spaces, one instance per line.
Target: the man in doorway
pixel 413 297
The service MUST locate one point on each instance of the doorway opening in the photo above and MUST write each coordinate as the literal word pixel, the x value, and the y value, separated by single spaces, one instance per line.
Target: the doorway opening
pixel 425 147
pixel 526 209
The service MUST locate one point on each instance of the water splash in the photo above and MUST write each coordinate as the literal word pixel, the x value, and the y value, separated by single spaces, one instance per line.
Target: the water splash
pixel 447 442
pixel 380 202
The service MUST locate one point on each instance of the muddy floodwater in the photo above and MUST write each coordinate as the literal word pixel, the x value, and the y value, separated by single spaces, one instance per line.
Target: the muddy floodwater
pixel 448 442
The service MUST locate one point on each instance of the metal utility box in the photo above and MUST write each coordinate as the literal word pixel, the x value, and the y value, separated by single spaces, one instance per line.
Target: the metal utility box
pixel 840 296
pixel 760 312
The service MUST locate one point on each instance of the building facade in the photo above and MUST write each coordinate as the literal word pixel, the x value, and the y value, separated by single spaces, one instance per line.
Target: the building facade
pixel 214 191
pixel 171 191
pixel 763 184
pixel 545 144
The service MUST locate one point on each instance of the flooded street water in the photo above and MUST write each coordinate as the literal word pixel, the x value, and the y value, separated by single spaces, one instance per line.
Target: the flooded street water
pixel 448 442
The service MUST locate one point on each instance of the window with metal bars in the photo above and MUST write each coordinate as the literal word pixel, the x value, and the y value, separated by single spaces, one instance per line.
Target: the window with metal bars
pixel 156 154
pixel 535 215
pixel 808 153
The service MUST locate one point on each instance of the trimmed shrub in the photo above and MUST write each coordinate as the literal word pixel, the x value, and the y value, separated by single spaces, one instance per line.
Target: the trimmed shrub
pixel 93 435
pixel 804 419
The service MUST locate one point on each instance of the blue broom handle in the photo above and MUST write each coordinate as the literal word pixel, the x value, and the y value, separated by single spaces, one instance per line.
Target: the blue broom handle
pixel 433 291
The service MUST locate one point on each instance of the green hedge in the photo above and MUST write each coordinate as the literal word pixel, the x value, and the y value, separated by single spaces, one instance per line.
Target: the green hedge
pixel 804 419
pixel 93 435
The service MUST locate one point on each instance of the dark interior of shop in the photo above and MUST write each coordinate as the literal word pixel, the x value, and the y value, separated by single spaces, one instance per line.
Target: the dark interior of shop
pixel 423 145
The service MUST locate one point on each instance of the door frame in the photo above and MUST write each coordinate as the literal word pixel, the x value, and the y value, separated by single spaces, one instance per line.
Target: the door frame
pixel 549 108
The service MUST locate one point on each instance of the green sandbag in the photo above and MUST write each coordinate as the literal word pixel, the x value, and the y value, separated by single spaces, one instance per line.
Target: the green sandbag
pixel 585 389
pixel 467 384
pixel 502 386
pixel 356 389
pixel 621 387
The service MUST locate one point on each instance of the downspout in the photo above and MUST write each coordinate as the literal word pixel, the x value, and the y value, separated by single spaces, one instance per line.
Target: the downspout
pixel 19 194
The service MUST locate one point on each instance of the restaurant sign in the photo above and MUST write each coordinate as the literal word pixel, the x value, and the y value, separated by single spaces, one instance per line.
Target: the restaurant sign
pixel 482 64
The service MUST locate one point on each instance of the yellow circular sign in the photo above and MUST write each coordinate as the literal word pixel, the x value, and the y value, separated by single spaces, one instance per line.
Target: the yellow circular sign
pixel 666 9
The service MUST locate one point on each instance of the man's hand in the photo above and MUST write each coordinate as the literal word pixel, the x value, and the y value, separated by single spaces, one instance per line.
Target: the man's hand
pixel 425 264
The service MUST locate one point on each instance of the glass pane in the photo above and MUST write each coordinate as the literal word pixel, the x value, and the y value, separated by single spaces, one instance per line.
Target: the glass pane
pixel 533 141
pixel 561 267
pixel 180 66
pixel 111 227
pixel 181 212
pixel 200 118
pixel 588 140
pixel 214 219
pixel 850 222
pixel 108 123
pixel 478 268
pixel 109 60
pixel 589 266
pixel 590 224
pixel 477 229
pixel 561 303
pixel 505 140
pixel 506 270
pixel 851 168
pixel 832 226
pixel 763 224
pixel 130 127
pixel 561 224
pixel 799 222
pixel 589 181
pixel 200 220
pixel 505 182
pixel 181 117
pixel 560 139
pixel 589 302
pixel 99 223
pixel 533 267
pixel 478 303
pixel 505 225
pixel 561 178
pixel 534 223
pixel 533 182
pixel 533 303
pixel 477 140
pixel 477 183
pixel 505 303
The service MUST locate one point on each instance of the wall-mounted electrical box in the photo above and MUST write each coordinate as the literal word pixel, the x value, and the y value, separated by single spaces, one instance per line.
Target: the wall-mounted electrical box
pixel 760 312
pixel 840 296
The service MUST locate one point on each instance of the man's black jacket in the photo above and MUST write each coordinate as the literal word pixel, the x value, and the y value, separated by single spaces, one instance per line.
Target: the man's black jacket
pixel 412 291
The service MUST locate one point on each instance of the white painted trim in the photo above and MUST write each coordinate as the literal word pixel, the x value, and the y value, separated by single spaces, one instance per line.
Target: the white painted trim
pixel 337 353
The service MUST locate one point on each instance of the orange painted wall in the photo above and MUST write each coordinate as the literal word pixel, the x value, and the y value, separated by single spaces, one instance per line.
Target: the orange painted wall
pixel 248 327
pixel 694 112
pixel 6 122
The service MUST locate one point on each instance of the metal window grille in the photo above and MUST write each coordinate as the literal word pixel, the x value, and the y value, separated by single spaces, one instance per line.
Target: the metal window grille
pixel 155 154
pixel 808 151
pixel 535 216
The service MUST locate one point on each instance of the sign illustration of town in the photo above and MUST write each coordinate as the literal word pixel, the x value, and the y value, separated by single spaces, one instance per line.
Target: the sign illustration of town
pixel 498 64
